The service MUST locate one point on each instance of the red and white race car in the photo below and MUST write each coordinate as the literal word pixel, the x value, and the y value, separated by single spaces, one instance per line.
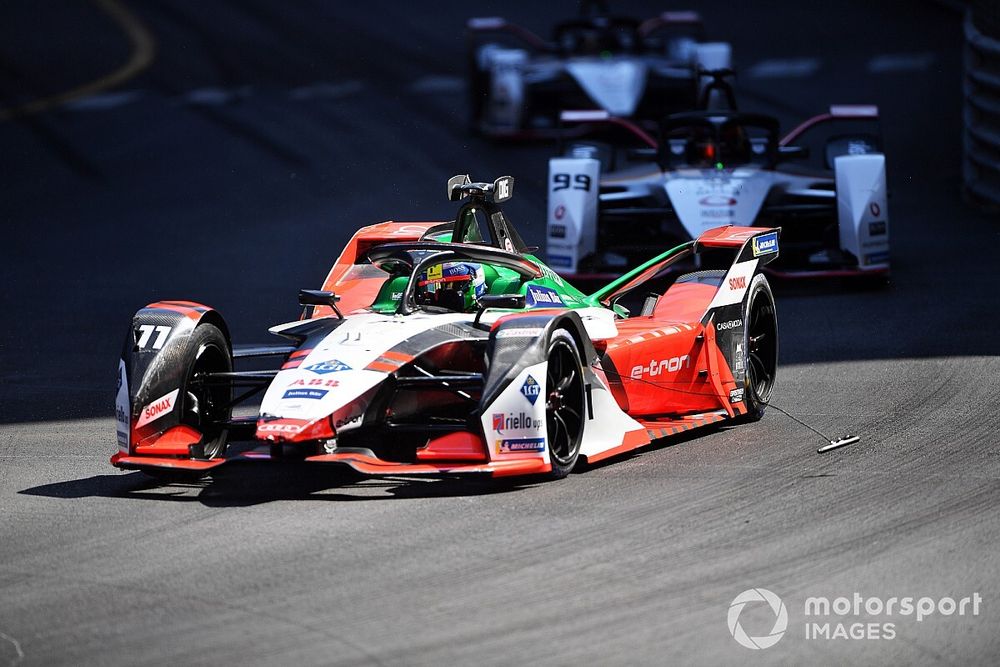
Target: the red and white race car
pixel 447 348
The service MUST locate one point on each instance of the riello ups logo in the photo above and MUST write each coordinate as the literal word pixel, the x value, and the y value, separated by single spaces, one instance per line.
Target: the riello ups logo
pixel 521 421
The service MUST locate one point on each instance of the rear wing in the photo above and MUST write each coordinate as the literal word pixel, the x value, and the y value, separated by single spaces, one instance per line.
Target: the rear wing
pixel 755 247
pixel 597 116
pixel 497 24
pixel 754 243
pixel 836 112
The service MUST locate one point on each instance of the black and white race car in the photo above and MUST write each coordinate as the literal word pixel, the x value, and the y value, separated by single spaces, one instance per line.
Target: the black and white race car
pixel 519 83
pixel 613 205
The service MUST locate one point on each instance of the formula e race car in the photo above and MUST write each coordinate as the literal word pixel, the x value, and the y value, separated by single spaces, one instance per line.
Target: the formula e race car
pixel 518 83
pixel 823 183
pixel 447 348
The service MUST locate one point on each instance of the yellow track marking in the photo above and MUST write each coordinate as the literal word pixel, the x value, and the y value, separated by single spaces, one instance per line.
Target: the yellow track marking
pixel 143 50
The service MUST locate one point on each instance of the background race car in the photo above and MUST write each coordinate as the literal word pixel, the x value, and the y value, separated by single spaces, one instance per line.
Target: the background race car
pixel 446 348
pixel 823 183
pixel 519 83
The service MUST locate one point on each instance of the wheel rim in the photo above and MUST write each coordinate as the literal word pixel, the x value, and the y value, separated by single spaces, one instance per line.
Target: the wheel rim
pixel 207 405
pixel 762 347
pixel 563 404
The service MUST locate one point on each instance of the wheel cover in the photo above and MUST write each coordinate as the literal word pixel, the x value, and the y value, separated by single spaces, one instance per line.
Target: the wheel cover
pixel 564 404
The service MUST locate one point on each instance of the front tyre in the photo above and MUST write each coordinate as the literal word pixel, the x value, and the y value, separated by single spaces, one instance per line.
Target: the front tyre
pixel 207 405
pixel 564 403
pixel 760 345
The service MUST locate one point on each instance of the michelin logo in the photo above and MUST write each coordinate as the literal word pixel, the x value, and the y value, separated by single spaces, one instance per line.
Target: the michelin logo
pixel 765 244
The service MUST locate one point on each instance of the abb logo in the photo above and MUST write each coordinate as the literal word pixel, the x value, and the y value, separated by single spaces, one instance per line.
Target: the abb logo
pixel 158 408
pixel 317 382
pixel 739 282
pixel 654 367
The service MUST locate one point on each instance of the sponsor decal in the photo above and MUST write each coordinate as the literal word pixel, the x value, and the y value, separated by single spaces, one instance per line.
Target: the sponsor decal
pixel 503 188
pixel 314 382
pixel 717 200
pixel 551 275
pixel 527 332
pixel 557 231
pixel 122 408
pixel 330 366
pixel 877 228
pixel 735 395
pixel 161 406
pixel 542 297
pixel 559 213
pixel 520 445
pixel 718 213
pixel 654 367
pixel 875 209
pixel 877 258
pixel 396 296
pixel 735 285
pixel 738 357
pixel 731 324
pixel 340 423
pixel 531 389
pixel 305 393
pixel 515 422
pixel 765 244
pixel 560 261
pixel 279 427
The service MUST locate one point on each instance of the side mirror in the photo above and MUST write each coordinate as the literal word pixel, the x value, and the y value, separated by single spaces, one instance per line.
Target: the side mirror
pixel 317 297
pixel 793 152
pixel 512 301
pixel 501 301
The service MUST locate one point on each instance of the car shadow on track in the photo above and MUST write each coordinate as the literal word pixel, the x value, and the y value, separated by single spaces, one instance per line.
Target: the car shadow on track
pixel 241 486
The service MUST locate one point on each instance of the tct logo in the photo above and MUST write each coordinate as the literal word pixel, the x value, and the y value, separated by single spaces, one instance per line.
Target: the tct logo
pixel 780 618
pixel 530 389
pixel 329 366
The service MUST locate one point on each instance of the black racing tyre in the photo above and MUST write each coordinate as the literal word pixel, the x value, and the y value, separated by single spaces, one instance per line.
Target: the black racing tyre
pixel 206 407
pixel 760 347
pixel 565 403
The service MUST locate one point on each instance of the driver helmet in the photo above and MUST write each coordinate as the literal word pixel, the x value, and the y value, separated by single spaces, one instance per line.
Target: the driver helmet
pixel 452 285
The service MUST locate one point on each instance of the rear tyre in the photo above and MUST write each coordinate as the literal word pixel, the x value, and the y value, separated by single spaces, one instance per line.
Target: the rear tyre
pixel 564 403
pixel 760 347
pixel 206 407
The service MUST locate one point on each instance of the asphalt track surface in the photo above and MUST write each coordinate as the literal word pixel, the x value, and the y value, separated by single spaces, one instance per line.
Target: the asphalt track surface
pixel 232 168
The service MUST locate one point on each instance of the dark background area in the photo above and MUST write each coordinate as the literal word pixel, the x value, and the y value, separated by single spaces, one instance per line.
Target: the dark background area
pixel 230 167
